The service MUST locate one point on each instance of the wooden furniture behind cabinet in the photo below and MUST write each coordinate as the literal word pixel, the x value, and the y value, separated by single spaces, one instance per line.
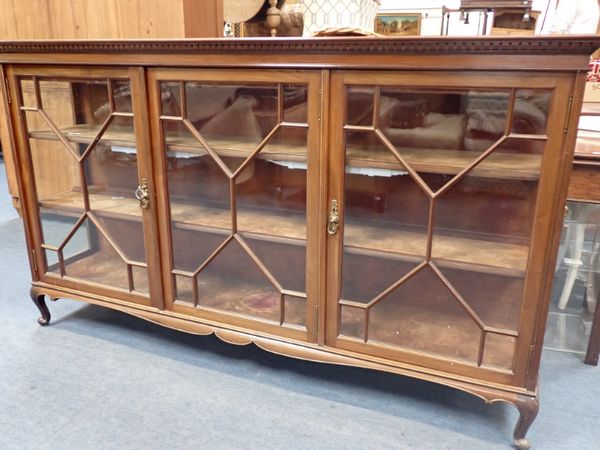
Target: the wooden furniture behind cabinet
pixel 385 203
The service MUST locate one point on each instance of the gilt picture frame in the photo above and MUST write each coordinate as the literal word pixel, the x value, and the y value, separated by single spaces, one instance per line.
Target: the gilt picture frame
pixel 398 24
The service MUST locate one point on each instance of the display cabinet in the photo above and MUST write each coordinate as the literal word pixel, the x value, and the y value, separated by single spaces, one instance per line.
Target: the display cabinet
pixel 392 204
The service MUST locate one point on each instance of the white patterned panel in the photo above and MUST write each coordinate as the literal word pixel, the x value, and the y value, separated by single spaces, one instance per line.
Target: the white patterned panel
pixel 320 14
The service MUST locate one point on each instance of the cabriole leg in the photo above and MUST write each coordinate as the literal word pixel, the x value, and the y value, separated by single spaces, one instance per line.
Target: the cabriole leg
pixel 40 302
pixel 528 409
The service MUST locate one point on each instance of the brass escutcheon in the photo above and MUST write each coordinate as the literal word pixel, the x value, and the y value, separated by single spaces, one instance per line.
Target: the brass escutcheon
pixel 141 193
pixel 333 223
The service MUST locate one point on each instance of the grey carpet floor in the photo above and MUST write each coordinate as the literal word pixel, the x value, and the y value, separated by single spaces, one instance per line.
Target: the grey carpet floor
pixel 99 379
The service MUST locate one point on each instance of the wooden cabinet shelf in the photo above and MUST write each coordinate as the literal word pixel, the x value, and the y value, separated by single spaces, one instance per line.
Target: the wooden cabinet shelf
pixel 469 254
pixel 368 230
pixel 437 161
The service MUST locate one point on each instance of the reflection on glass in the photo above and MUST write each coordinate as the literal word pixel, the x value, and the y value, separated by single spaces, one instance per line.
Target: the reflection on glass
pixel 438 216
pixel 295 310
pixel 366 276
pixel 170 99
pixel 184 288
pixel 271 193
pixel 384 208
pixel 97 260
pixel 499 351
pixel 27 94
pixel 55 230
pixel 234 282
pixel 91 223
pixel 423 315
pixel 295 103
pixel 225 114
pixel 237 177
pixel 574 300
pixel 56 191
pixel 360 105
pixel 122 95
pixel 352 322
pixel 111 171
pixel 531 111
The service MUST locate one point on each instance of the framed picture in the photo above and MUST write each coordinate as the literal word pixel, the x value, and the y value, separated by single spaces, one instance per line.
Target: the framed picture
pixel 398 24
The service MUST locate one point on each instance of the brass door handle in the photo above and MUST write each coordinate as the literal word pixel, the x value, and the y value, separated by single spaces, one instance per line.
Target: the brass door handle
pixel 333 222
pixel 141 193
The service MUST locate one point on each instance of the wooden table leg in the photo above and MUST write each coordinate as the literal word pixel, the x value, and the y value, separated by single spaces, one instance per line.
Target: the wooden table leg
pixel 593 350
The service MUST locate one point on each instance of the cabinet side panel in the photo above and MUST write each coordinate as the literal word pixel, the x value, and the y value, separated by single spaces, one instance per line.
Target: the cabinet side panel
pixel 551 211
pixel 7 143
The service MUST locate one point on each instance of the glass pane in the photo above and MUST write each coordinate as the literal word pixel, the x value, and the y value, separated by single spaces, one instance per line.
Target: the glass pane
pixel 96 259
pixel 499 351
pixel 576 285
pixel 27 93
pixel 233 120
pixel 111 170
pixel 192 246
pixel 122 95
pixel 495 297
pixel 140 279
pixel 295 103
pixel 360 105
pixel 406 210
pixel 237 188
pixel 170 99
pixel 365 276
pixel 531 111
pixel 285 261
pixel 233 282
pixel 490 234
pixel 85 166
pixel 199 190
pixel 384 209
pixel 184 288
pixel 77 108
pixel 54 190
pixel 52 261
pixel 352 322
pixel 125 233
pixel 295 310
pixel 271 190
pixel 55 226
pixel 432 321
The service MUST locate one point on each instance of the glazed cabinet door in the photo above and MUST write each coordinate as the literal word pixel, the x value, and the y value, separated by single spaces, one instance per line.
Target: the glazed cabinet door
pixel 442 186
pixel 84 155
pixel 238 153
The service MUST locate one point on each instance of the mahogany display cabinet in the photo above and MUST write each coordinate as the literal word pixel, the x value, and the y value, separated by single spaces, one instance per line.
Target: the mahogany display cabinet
pixel 392 204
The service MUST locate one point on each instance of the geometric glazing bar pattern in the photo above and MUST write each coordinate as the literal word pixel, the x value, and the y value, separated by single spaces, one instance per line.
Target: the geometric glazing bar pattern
pixel 182 118
pixel 375 130
pixel 80 156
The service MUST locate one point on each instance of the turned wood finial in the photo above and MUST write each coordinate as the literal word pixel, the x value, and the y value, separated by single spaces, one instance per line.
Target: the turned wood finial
pixel 273 17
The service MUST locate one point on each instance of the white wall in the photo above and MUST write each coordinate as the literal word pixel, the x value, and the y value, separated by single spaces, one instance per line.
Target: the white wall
pixel 431 15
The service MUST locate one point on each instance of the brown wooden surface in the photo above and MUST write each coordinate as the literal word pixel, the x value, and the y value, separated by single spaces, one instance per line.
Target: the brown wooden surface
pixel 71 19
pixel 590 109
pixel 584 184
pixel 593 350
pixel 7 150
pixel 562 144
pixel 436 62
pixel 498 165
pixel 201 18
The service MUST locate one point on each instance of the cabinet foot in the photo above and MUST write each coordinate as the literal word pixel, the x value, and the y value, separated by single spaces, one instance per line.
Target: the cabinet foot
pixel 528 409
pixel 39 300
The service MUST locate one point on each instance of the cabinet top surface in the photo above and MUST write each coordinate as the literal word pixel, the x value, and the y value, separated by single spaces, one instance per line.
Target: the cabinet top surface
pixel 338 45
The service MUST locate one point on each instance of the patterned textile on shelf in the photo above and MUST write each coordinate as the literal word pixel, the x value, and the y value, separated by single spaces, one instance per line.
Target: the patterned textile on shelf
pixel 320 14
pixel 594 73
